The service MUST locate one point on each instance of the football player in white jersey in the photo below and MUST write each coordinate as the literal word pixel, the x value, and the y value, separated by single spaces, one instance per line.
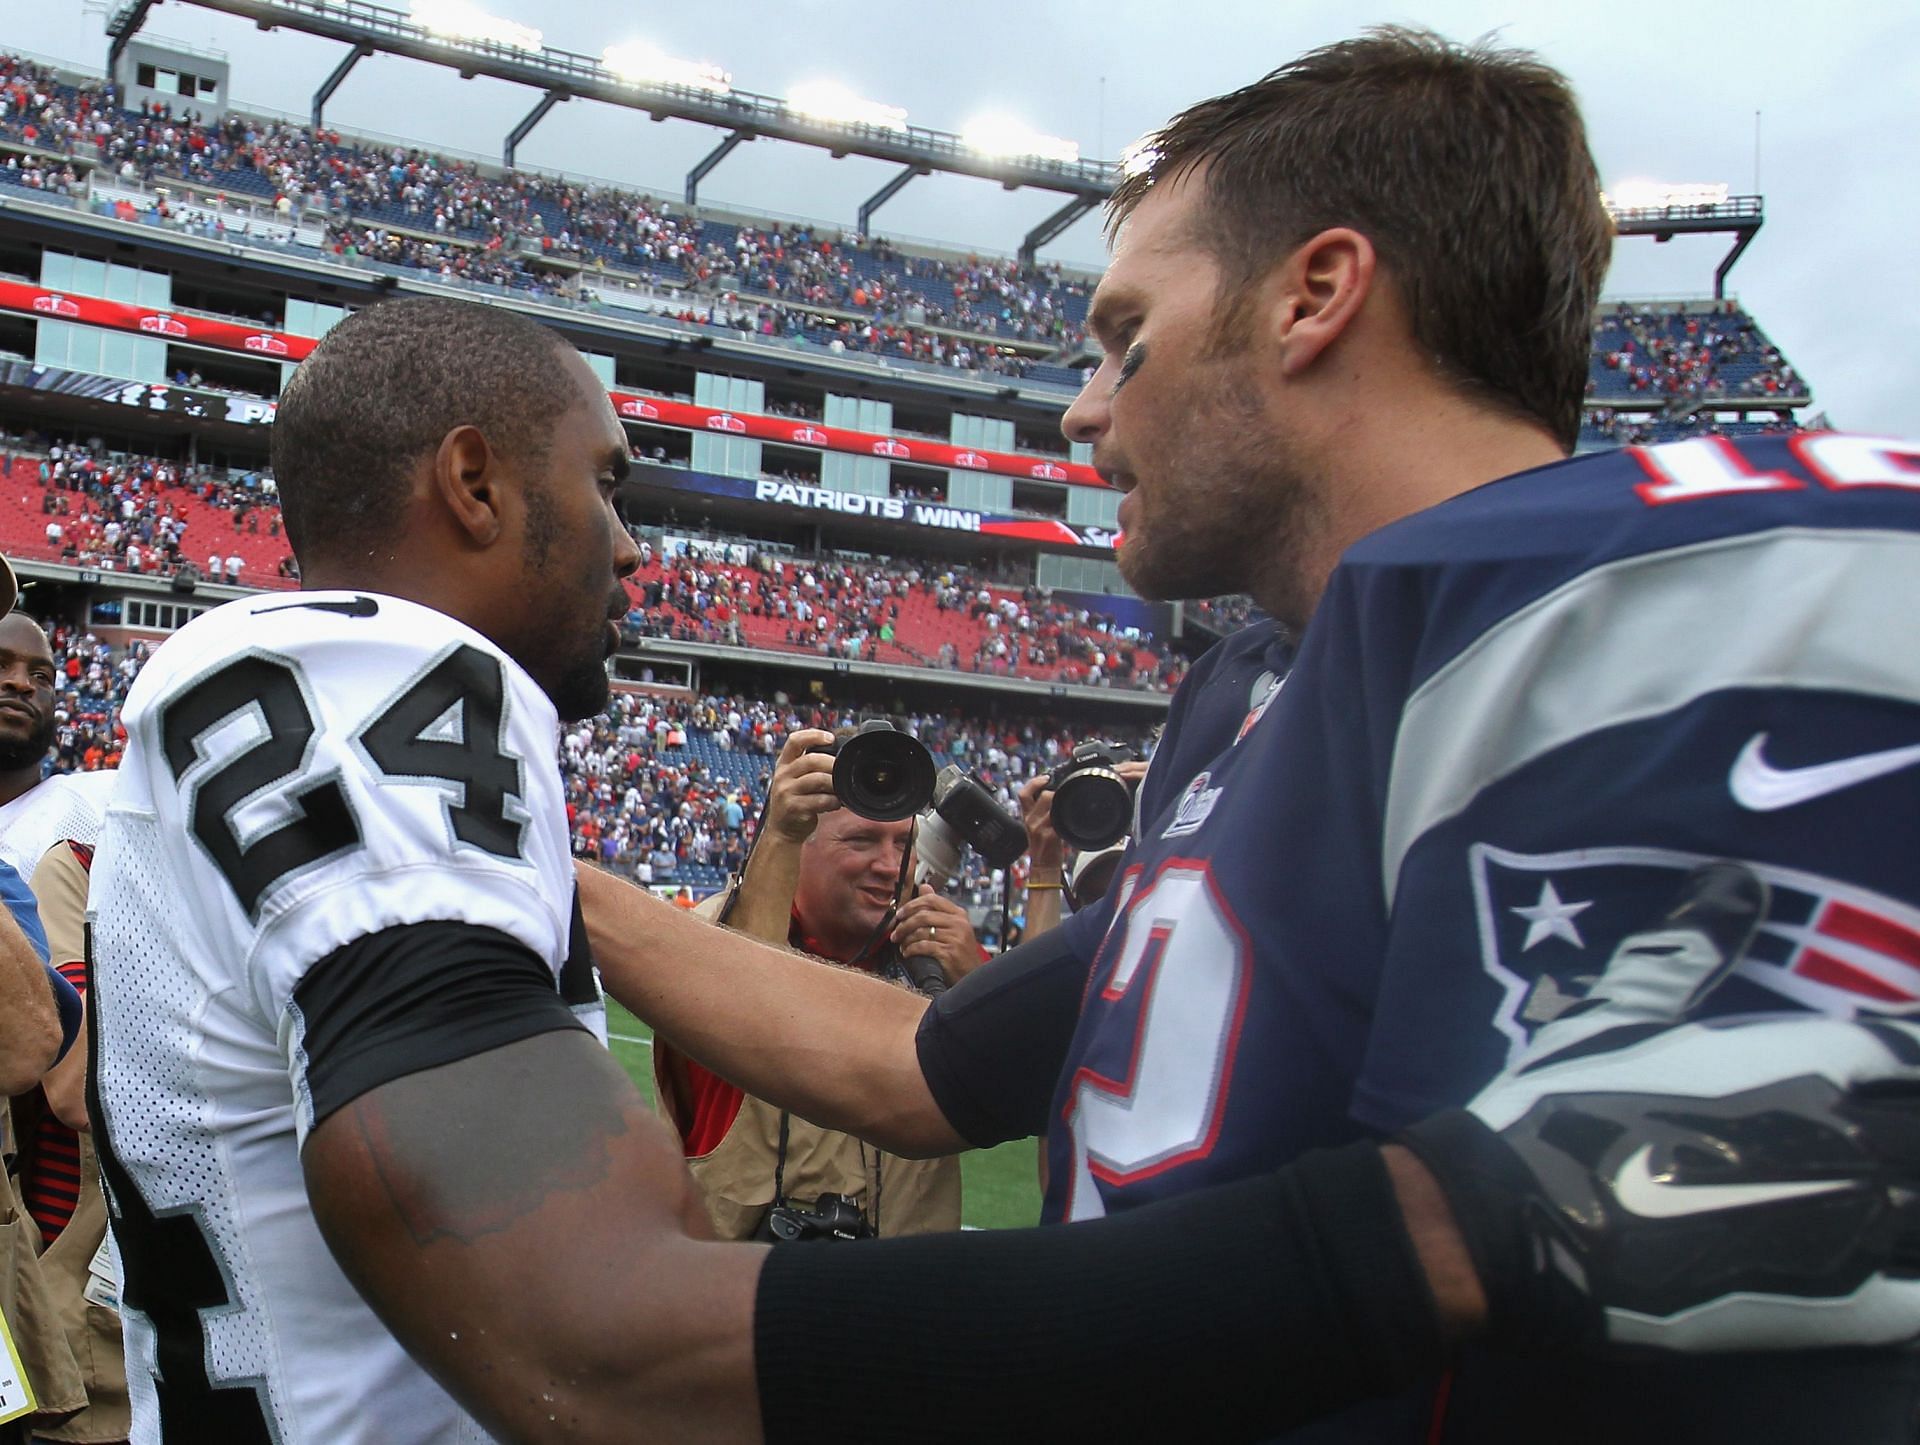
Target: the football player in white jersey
pixel 332 929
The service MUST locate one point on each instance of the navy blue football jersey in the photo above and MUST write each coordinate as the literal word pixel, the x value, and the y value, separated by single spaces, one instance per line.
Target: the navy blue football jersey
pixel 1357 888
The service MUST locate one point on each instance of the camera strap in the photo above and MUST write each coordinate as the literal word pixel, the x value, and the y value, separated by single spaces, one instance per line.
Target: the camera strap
pixel 780 1163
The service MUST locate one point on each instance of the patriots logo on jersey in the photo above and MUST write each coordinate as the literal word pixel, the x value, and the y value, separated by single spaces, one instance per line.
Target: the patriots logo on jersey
pixel 1548 922
pixel 1195 805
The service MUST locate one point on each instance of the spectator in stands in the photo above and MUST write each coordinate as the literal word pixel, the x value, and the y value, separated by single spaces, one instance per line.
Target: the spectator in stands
pixel 821 878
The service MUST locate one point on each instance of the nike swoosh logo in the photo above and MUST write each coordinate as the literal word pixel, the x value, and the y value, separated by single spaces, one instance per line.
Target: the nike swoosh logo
pixel 356 607
pixel 1646 1194
pixel 1762 788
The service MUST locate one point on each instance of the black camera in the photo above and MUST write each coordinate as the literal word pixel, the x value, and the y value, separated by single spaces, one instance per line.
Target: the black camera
pixel 833 1216
pixel 1092 803
pixel 964 815
pixel 880 772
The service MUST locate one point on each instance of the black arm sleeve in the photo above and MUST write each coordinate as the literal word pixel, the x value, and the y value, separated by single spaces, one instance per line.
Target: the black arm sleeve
pixel 412 998
pixel 1228 1314
pixel 992 1046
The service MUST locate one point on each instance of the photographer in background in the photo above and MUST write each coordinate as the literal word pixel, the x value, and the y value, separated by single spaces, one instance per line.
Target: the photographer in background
pixel 821 879
pixel 1050 878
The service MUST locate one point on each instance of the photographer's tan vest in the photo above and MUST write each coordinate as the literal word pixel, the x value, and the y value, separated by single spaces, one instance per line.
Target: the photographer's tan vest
pixel 898 1196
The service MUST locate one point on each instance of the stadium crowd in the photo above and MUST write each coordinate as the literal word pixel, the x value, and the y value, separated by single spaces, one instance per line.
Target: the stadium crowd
pixel 407 207
pixel 133 514
pixel 1687 354
pixel 866 611
pixel 664 788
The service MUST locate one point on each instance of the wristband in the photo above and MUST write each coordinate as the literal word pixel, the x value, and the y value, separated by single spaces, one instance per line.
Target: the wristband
pixel 1239 1311
pixel 1032 886
pixel 1532 1305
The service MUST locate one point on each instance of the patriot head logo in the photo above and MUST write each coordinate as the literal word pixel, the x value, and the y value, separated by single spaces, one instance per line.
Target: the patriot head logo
pixel 1549 922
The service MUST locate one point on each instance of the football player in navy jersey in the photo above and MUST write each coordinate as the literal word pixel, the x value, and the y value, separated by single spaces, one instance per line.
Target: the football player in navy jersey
pixel 1346 331
pixel 374 1179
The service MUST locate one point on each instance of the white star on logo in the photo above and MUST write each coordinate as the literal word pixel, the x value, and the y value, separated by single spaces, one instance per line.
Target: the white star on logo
pixel 1550 918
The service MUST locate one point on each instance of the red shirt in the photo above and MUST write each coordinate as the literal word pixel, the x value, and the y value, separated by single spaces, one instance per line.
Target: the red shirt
pixel 713 1104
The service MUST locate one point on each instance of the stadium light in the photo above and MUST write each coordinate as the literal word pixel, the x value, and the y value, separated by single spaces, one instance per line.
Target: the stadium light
pixel 1002 135
pixel 646 64
pixel 1644 195
pixel 829 100
pixel 461 20
pixel 1140 157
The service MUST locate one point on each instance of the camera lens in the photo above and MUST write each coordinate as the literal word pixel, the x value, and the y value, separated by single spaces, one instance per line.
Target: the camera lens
pixel 1092 808
pixel 883 774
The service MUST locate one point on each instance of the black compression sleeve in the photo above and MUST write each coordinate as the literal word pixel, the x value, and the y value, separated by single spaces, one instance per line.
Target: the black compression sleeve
pixel 1232 1313
pixel 992 1046
pixel 412 998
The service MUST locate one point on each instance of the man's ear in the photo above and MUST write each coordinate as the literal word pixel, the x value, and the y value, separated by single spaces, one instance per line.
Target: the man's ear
pixel 467 483
pixel 1319 291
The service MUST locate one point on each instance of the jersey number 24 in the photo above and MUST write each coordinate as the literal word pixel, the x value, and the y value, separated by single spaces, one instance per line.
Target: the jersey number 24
pixel 443 730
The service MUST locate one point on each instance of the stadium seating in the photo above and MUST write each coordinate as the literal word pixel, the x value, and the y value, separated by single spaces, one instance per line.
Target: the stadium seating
pixel 650 779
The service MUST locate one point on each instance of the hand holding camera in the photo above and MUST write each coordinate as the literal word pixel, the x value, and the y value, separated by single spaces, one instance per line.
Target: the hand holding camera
pixel 801 788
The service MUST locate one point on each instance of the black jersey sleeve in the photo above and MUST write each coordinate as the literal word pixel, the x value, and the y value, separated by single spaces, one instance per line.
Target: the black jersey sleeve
pixel 412 998
pixel 992 1047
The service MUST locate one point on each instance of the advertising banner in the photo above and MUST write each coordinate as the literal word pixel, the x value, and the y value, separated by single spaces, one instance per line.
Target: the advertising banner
pixel 145 395
pixel 1047 530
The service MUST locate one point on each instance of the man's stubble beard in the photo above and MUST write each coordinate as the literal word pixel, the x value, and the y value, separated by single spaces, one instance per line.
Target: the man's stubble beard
pixel 1242 517
pixel 29 750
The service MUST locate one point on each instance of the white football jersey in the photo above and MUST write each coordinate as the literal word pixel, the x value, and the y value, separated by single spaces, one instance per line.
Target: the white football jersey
pixel 66 805
pixel 301 771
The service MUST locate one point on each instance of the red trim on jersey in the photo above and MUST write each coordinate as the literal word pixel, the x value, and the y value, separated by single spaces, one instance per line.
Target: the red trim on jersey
pixel 1146 975
pixel 1437 1420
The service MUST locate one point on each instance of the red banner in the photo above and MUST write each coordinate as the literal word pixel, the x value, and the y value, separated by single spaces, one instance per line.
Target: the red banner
pixel 172 325
pixel 798 432
pixel 634 406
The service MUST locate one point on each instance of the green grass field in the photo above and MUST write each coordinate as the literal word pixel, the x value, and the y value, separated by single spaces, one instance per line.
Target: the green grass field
pixel 1001 1189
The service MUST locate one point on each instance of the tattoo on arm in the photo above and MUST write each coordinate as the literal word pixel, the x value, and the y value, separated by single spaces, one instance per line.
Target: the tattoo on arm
pixel 453 1168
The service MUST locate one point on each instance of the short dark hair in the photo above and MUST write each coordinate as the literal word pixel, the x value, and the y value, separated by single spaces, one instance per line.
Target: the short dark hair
pixel 383 388
pixel 1466 166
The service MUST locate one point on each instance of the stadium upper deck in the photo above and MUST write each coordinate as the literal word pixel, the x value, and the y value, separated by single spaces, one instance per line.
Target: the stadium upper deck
pixel 780 380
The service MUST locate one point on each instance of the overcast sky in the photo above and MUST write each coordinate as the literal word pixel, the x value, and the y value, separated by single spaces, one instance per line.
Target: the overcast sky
pixel 1670 90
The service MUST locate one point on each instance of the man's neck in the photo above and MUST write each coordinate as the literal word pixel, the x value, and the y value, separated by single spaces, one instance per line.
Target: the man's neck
pixel 1428 451
pixel 18 782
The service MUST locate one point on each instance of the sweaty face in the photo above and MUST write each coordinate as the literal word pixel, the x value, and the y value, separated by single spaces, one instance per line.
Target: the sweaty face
pixel 1177 414
pixel 26 693
pixel 847 872
pixel 576 551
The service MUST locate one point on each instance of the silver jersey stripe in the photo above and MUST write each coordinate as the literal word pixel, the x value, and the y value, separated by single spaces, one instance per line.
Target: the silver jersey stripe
pixel 1795 607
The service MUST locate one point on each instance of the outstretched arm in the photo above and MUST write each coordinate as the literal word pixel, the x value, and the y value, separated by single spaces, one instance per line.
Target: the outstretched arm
pixel 834 1045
